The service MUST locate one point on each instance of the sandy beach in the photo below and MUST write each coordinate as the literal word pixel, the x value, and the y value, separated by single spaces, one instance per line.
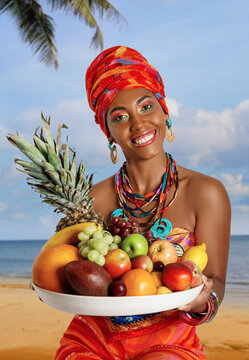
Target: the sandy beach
pixel 31 330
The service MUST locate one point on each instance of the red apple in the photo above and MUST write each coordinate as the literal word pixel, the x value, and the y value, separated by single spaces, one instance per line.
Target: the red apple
pixel 196 273
pixel 117 262
pixel 142 262
pixel 164 251
pixel 177 276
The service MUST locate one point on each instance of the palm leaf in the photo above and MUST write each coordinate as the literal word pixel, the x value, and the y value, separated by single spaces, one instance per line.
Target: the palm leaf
pixel 36 28
pixel 105 8
pixel 84 9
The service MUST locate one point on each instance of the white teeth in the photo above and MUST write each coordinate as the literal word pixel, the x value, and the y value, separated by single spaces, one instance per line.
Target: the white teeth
pixel 145 139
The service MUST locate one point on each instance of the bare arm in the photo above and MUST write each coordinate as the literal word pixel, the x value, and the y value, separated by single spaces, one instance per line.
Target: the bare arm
pixel 213 217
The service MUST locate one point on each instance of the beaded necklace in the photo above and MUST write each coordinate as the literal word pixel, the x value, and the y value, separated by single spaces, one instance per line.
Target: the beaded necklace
pixel 139 202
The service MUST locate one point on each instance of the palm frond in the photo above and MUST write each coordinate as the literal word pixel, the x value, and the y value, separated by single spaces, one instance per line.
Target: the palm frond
pixel 105 8
pixel 84 13
pixel 35 26
pixel 85 9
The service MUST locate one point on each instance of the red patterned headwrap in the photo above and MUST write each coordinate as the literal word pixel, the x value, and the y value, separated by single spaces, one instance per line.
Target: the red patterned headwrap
pixel 115 69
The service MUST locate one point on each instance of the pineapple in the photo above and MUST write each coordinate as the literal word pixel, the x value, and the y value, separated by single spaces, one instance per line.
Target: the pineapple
pixel 56 176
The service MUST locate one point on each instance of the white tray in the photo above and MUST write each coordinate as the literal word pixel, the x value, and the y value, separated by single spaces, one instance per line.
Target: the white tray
pixel 116 306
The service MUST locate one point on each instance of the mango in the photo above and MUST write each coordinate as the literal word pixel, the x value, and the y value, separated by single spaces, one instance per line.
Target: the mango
pixel 88 278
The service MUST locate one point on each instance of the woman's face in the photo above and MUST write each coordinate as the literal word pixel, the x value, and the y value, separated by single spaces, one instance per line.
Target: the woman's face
pixel 136 121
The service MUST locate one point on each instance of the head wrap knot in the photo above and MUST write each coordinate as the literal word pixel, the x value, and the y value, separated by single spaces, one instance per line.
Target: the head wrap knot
pixel 115 69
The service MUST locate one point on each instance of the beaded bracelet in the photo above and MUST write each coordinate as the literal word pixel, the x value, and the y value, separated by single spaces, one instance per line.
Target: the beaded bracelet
pixel 215 305
pixel 194 319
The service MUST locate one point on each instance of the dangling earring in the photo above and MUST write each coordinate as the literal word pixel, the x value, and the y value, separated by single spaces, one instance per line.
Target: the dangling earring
pixel 170 137
pixel 113 151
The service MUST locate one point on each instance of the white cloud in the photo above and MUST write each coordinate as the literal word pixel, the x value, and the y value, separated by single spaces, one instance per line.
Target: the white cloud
pixel 241 210
pixel 19 215
pixel 174 106
pixel 3 207
pixel 11 174
pixel 3 223
pixel 240 219
pixel 48 221
pixel 3 140
pixel 212 138
pixel 235 184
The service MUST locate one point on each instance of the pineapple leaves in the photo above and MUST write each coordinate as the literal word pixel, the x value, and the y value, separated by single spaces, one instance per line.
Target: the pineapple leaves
pixel 28 149
pixel 66 158
pixel 39 143
pixel 53 170
pixel 27 165
pixel 58 138
pixel 47 131
pixel 53 158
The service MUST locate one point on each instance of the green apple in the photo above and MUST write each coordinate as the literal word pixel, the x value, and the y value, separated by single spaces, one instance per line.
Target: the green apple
pixel 135 245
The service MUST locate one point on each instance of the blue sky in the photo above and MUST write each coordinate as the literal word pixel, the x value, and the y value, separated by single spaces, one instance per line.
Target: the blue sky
pixel 201 50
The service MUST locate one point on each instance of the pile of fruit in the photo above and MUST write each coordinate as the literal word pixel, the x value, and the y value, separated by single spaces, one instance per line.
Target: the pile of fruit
pixel 87 260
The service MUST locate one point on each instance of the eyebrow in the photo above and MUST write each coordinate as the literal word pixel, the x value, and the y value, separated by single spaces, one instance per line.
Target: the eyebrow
pixel 137 102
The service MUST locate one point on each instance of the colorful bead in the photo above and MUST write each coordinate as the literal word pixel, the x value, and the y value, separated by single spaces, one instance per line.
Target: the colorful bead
pixel 110 143
pixel 168 123
pixel 119 213
pixel 161 230
pixel 135 204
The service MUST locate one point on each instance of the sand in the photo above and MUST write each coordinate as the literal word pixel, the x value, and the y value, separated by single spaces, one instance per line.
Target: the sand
pixel 31 330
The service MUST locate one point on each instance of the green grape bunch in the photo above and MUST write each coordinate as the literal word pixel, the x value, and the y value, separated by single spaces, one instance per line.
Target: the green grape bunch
pixel 94 244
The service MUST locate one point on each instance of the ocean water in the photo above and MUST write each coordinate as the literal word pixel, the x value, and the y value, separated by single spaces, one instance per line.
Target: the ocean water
pixel 17 256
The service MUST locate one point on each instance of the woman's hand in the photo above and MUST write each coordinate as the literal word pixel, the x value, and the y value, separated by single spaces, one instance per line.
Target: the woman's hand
pixel 199 304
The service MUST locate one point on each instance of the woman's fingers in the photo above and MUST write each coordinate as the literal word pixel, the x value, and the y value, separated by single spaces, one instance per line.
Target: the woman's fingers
pixel 199 303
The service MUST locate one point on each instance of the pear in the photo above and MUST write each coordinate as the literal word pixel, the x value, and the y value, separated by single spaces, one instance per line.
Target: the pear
pixel 197 254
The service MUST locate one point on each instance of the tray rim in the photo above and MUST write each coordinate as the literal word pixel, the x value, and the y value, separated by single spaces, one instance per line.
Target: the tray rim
pixel 116 300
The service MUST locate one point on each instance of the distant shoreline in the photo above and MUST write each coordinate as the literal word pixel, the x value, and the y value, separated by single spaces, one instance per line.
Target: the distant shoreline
pixel 231 236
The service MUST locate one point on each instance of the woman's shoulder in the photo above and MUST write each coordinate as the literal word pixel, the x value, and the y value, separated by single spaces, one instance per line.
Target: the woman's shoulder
pixel 201 187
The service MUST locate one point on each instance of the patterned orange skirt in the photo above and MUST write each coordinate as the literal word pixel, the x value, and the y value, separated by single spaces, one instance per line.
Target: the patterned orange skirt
pixel 158 336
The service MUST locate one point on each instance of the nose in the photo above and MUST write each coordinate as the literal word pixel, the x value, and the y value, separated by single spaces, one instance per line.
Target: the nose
pixel 136 121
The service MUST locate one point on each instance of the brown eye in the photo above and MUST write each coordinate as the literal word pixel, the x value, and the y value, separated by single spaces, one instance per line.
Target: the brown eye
pixel 120 118
pixel 147 107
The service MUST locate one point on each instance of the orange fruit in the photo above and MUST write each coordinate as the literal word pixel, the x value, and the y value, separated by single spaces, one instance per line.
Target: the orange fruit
pixel 48 267
pixel 157 276
pixel 163 290
pixel 139 282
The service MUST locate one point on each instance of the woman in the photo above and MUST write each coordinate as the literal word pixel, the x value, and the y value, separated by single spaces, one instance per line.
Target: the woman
pixel 127 95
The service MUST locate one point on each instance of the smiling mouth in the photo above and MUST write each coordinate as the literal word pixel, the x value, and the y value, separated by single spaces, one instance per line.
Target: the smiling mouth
pixel 145 139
